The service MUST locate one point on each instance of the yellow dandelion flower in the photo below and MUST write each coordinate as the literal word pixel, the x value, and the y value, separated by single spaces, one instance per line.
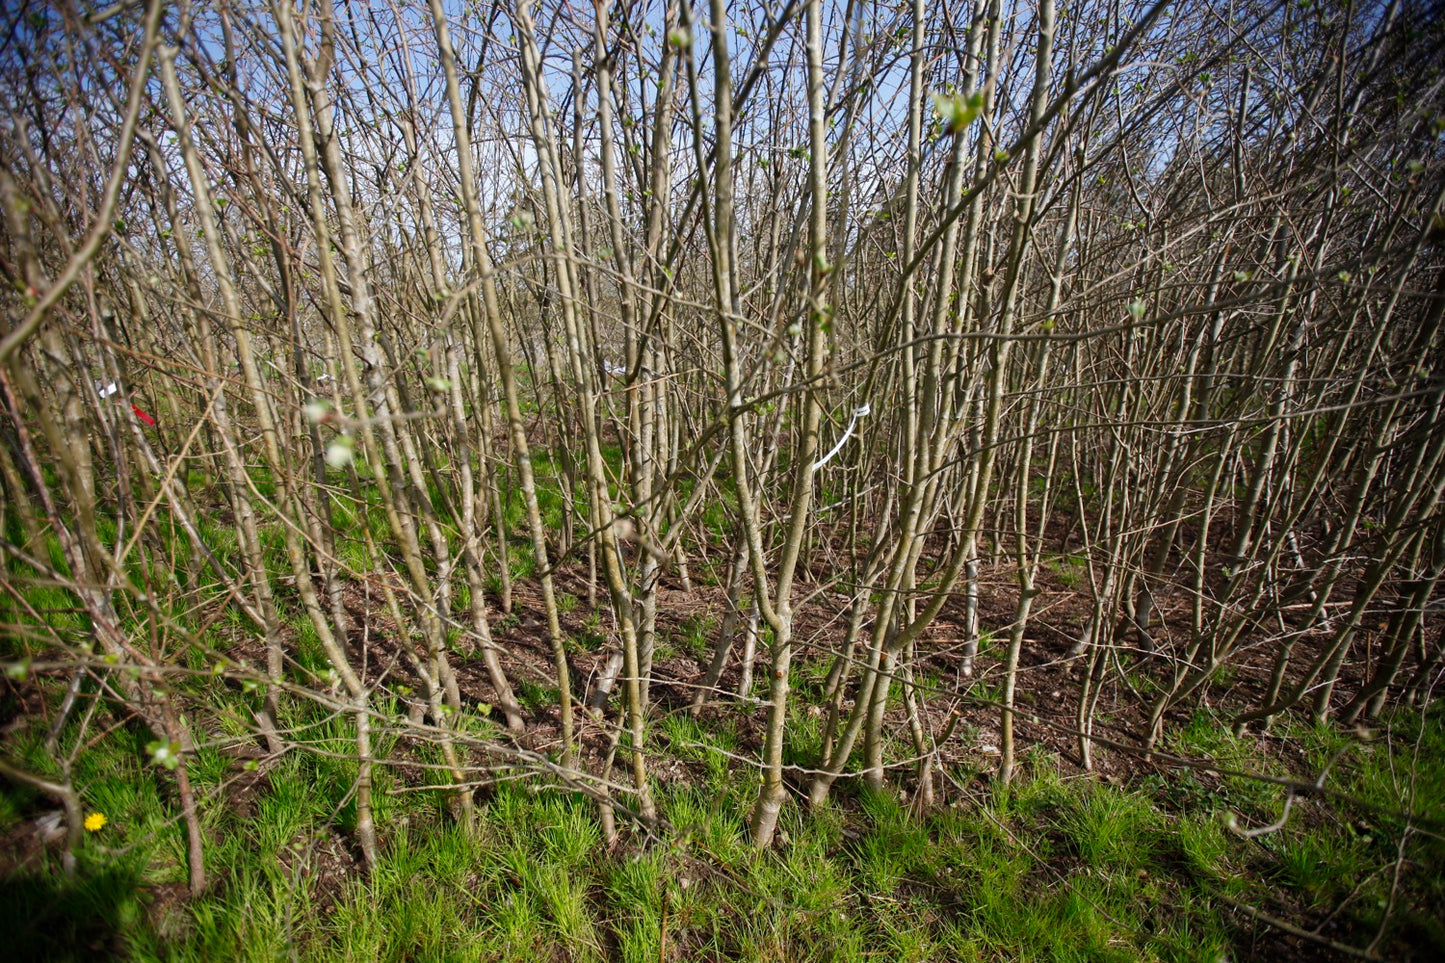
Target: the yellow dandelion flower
pixel 95 822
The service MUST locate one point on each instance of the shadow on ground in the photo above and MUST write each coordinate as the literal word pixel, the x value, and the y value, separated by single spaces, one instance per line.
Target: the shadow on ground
pixel 54 918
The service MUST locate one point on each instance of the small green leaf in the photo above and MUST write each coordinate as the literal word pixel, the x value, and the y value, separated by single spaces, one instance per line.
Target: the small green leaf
pixel 166 754
pixel 341 451
pixel 957 111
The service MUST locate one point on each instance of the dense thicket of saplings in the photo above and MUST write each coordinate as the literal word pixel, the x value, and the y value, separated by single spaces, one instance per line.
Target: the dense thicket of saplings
pixel 877 389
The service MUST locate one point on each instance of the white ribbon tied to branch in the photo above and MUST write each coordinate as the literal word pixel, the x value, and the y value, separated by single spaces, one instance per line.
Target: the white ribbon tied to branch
pixel 862 411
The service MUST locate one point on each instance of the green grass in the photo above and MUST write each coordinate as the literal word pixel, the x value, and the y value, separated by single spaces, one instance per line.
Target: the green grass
pixel 1001 878
pixel 522 563
pixel 536 696
pixel 1049 868
pixel 696 635
pixel 46 609
pixel 1112 830
pixel 1071 570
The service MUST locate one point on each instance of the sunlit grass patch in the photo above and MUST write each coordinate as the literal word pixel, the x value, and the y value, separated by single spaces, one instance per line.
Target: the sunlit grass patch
pixel 1112 829
pixel 1048 868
